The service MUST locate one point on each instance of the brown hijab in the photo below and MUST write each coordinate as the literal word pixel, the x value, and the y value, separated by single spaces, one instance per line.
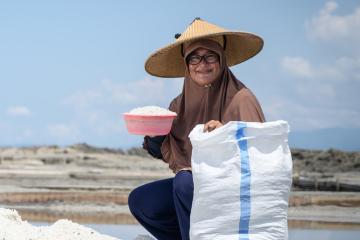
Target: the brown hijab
pixel 226 99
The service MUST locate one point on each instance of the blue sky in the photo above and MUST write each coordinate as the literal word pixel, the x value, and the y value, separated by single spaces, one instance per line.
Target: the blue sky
pixel 69 69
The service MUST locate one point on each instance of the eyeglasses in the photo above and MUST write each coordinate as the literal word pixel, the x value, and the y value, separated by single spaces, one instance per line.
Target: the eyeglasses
pixel 196 59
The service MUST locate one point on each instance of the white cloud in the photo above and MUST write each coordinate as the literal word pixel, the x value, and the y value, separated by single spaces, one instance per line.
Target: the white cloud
pixel 308 117
pixel 18 111
pixel 328 26
pixel 325 86
pixel 145 91
pixel 322 91
pixel 102 123
pixel 344 69
pixel 98 109
pixel 317 92
pixel 349 67
pixel 297 66
pixel 84 98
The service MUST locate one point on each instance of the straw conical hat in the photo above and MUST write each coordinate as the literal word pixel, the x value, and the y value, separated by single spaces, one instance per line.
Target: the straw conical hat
pixel 238 46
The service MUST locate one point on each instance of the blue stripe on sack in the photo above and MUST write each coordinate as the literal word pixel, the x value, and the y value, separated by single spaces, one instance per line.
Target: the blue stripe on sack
pixel 245 200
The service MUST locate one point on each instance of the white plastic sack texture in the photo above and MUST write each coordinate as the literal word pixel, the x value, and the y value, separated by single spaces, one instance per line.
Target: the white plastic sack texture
pixel 242 178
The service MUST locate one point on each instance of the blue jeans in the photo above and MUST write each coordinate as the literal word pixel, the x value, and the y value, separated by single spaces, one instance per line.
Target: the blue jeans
pixel 163 207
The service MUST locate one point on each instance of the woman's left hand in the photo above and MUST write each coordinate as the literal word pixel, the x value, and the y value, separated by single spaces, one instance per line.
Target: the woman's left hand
pixel 211 125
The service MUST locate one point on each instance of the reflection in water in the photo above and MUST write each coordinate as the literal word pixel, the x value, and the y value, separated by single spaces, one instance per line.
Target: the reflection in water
pixel 323 234
pixel 122 231
pixel 125 232
pixel 129 232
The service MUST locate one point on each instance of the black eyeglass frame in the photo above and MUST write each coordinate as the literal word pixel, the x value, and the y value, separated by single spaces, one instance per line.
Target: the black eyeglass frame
pixel 203 57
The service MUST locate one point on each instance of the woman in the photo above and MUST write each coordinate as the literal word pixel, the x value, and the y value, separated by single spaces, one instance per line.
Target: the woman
pixel 211 96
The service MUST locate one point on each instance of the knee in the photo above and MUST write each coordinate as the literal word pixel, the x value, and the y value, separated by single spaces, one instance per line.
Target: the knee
pixel 183 183
pixel 133 201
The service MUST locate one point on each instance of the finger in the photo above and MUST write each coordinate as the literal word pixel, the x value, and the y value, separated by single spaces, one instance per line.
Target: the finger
pixel 215 125
pixel 219 124
pixel 211 125
pixel 206 126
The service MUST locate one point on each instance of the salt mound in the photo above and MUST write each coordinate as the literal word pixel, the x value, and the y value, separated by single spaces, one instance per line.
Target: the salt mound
pixel 151 110
pixel 13 228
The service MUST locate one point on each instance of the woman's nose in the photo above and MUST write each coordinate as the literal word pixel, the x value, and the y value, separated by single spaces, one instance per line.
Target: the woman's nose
pixel 202 63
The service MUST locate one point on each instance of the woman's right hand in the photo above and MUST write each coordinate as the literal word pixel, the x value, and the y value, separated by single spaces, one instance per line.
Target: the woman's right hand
pixel 211 125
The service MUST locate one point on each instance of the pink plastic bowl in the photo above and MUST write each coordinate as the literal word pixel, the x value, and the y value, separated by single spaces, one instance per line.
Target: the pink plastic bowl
pixel 152 125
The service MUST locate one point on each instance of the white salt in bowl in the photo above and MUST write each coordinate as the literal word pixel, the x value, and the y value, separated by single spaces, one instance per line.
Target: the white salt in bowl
pixel 149 120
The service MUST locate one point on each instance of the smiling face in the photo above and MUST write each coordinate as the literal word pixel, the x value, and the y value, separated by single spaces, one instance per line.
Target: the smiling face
pixel 204 73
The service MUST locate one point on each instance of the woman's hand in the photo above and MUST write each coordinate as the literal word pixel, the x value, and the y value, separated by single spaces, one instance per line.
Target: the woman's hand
pixel 211 125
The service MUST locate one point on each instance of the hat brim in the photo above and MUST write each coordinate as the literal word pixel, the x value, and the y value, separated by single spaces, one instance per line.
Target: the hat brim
pixel 169 62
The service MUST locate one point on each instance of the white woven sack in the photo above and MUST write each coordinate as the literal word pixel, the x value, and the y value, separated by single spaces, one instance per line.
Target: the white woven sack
pixel 242 178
